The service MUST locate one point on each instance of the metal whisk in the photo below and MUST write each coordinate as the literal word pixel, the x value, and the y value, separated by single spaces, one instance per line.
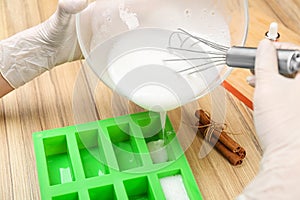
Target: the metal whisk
pixel 202 55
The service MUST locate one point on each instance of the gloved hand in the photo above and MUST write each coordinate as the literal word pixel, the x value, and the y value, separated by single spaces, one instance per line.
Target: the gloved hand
pixel 33 51
pixel 251 80
pixel 279 45
pixel 277 119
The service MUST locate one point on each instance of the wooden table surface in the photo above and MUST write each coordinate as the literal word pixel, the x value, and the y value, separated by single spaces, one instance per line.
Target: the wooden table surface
pixel 47 103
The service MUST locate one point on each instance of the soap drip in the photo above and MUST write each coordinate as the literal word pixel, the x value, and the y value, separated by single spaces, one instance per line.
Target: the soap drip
pixel 163 116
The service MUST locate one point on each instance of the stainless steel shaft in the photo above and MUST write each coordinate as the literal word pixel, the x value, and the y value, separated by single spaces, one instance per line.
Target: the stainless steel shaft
pixel 244 57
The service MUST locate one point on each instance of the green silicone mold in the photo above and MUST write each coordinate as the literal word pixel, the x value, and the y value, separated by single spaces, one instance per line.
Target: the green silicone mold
pixel 109 159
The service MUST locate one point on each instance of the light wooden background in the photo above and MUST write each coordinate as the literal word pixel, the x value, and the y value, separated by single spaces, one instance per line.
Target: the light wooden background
pixel 46 103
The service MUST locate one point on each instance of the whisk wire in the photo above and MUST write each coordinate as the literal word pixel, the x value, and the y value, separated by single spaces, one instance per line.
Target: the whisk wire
pixel 202 67
pixel 195 58
pixel 191 50
pixel 207 42
pixel 196 51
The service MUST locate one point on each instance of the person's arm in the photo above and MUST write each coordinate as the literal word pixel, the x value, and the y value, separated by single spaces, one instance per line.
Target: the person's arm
pixel 31 52
pixel 277 122
pixel 5 87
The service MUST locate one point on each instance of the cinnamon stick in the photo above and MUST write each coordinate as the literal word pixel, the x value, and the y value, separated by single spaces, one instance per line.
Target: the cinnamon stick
pixel 232 157
pixel 223 137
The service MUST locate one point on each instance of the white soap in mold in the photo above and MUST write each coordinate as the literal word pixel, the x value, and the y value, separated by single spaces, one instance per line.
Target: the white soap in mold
pixel 173 188
pixel 158 151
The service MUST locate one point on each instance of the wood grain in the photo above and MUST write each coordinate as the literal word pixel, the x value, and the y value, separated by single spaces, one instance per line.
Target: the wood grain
pixel 48 102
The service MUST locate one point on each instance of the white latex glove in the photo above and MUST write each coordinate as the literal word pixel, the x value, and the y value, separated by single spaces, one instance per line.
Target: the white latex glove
pixel 251 80
pixel 33 51
pixel 279 45
pixel 277 122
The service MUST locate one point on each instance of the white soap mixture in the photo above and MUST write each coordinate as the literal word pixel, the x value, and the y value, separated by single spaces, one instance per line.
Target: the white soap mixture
pixel 137 67
pixel 134 65
pixel 143 77
pixel 129 56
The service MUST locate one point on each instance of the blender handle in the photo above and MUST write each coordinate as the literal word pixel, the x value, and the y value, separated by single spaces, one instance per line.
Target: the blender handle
pixel 244 57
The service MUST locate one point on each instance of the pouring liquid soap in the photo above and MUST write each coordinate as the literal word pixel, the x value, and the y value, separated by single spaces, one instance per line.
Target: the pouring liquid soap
pixel 136 68
pixel 163 116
